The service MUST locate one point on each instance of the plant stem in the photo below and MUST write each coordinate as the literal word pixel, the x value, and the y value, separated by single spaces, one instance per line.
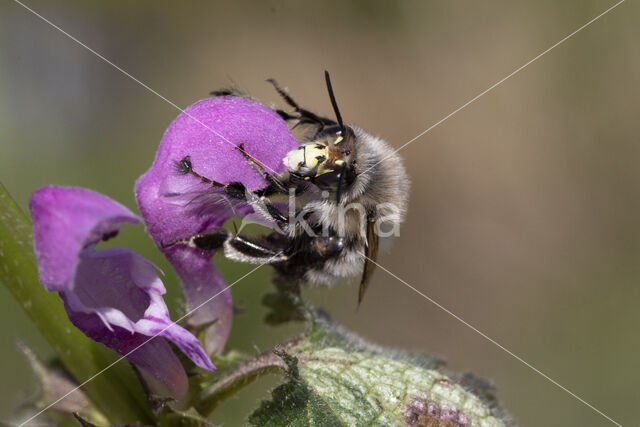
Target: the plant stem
pixel 264 364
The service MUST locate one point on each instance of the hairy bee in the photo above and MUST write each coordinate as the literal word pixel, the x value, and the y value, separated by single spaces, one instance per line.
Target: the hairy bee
pixel 355 190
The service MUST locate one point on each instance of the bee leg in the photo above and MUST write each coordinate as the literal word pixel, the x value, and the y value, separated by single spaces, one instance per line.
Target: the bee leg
pixel 184 167
pixel 259 202
pixel 243 249
pixel 226 92
pixel 286 116
pixel 283 93
pixel 238 248
pixel 234 189
pixel 304 116
pixel 209 241
pixel 237 190
pixel 271 179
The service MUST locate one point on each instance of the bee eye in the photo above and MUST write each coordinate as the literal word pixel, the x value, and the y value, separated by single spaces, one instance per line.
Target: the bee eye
pixel 346 152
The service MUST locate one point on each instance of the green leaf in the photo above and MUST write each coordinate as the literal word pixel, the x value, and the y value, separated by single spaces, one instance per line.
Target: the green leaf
pixel 336 378
pixel 116 391
pixel 294 403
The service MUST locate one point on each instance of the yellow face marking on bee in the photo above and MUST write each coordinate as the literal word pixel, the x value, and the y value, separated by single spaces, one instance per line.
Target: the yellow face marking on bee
pixel 322 169
pixel 339 162
pixel 312 153
pixel 338 140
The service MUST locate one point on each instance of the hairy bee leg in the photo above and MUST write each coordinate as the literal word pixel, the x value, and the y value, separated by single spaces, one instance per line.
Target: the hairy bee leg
pixel 285 116
pixel 303 115
pixel 209 241
pixel 261 203
pixel 237 190
pixel 271 179
pixel 238 248
pixel 226 92
pixel 233 189
pixel 243 249
pixel 184 167
pixel 287 98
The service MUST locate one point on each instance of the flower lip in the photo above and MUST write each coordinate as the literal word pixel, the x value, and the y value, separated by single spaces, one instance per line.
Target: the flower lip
pixel 114 295
pixel 66 220
pixel 113 284
pixel 123 289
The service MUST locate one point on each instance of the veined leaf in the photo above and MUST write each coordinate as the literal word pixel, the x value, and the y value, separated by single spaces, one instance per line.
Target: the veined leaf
pixel 335 378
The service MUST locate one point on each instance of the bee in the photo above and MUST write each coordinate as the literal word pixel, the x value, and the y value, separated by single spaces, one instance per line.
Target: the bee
pixel 354 185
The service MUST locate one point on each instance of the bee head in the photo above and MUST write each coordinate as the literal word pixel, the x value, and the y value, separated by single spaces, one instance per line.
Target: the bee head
pixel 328 160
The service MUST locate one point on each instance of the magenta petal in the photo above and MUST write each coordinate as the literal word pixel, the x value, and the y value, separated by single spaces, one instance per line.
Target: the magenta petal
pixel 156 361
pixel 114 295
pixel 66 220
pixel 124 290
pixel 206 295
pixel 117 300
pixel 175 205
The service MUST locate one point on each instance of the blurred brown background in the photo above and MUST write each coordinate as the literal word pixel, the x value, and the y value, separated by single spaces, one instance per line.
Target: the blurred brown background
pixel 525 206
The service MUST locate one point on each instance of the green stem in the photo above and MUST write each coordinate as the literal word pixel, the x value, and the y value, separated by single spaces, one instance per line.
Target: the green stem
pixel 116 392
pixel 265 364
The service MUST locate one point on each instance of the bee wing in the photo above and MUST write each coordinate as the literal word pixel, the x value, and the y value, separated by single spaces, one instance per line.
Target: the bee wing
pixel 371 254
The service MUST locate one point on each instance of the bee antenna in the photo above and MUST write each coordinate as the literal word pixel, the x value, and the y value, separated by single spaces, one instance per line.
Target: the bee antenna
pixel 334 104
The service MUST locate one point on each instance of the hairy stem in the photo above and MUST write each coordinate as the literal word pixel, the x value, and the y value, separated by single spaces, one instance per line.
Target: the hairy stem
pixel 245 374
pixel 264 364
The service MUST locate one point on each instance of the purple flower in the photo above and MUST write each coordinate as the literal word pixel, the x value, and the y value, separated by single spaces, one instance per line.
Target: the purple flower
pixel 113 295
pixel 176 206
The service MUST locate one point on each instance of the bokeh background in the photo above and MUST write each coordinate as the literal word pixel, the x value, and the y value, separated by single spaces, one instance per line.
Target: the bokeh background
pixel 525 206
